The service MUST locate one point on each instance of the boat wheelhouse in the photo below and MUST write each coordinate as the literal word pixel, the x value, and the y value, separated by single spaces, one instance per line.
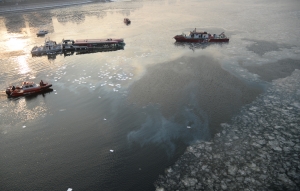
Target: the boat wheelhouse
pixel 49 47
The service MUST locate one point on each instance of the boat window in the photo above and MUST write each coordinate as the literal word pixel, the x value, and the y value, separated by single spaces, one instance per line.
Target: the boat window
pixel 31 86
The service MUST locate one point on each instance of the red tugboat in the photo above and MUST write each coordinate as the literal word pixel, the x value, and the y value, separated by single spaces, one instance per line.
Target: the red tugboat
pixel 201 37
pixel 27 88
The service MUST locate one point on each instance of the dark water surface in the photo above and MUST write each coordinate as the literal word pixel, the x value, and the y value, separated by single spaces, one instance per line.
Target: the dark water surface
pixel 116 120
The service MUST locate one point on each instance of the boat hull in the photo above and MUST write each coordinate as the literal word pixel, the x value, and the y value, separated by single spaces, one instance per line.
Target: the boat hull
pixel 41 34
pixel 180 38
pixel 219 40
pixel 36 90
pixel 91 44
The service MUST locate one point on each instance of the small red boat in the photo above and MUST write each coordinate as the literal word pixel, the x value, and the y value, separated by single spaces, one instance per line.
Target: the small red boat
pixel 201 37
pixel 27 88
pixel 127 21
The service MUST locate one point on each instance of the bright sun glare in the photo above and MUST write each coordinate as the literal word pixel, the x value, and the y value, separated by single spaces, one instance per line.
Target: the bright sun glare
pixel 15 44
pixel 23 65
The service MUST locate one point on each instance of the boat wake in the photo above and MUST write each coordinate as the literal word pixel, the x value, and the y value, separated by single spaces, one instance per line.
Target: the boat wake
pixel 2 93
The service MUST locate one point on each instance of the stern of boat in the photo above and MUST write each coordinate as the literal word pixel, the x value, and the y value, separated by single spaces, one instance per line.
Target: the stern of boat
pixel 8 91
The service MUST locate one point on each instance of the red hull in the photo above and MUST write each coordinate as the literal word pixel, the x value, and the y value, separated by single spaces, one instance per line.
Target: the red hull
pixel 180 38
pixel 20 91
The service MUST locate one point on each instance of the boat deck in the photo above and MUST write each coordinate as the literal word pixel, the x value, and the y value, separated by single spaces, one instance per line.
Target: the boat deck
pixel 38 50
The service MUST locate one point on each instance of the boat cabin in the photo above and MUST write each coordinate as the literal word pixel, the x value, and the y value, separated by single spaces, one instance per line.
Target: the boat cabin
pixel 27 85
pixel 68 41
pixel 204 35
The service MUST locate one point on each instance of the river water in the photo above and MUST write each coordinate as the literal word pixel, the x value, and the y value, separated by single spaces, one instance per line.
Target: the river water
pixel 116 120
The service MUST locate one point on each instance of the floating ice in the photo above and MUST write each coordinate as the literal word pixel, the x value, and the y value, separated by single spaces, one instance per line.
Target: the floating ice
pixel 169 170
pixel 111 151
pixel 189 181
pixel 188 127
pixel 24 126
pixel 69 189
pixel 223 185
pixel 104 119
pixel 270 123
pixel 296 104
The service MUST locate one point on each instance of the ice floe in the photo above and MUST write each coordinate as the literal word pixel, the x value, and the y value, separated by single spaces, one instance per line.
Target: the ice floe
pixel 259 150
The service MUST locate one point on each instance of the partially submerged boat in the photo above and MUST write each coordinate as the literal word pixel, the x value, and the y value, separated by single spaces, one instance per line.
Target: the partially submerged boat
pixel 27 88
pixel 42 32
pixel 201 37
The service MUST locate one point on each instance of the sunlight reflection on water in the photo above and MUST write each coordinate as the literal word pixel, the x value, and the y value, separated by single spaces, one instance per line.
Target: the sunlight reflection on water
pixel 23 65
pixel 93 110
